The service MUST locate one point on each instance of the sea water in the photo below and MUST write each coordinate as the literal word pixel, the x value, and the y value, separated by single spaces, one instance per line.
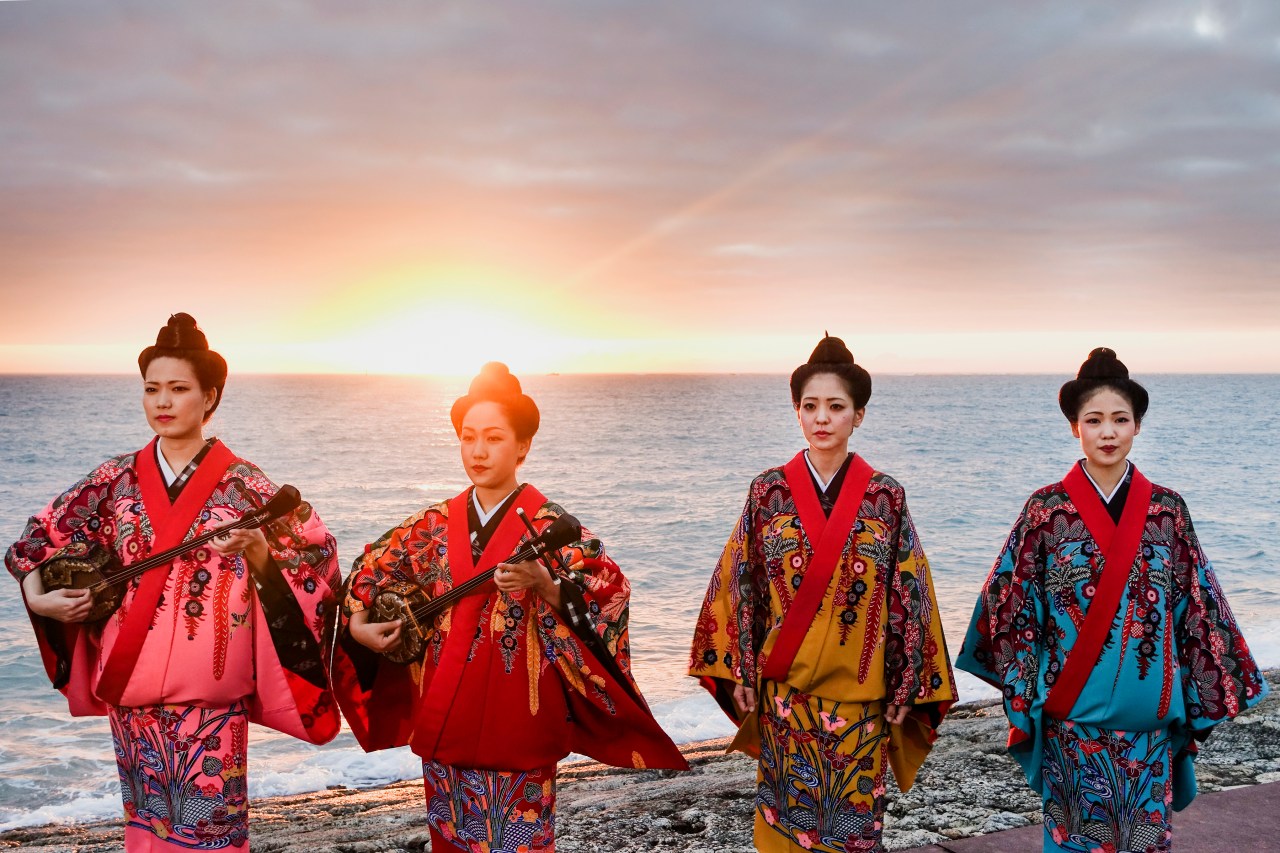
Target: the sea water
pixel 657 467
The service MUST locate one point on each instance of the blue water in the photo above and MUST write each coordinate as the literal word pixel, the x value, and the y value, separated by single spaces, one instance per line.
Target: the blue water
pixel 658 467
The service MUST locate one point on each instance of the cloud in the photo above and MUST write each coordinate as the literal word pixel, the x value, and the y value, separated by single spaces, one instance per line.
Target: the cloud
pixel 1031 164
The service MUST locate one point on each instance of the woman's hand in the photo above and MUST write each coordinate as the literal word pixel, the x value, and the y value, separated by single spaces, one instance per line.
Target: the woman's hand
pixel 744 698
pixel 65 605
pixel 251 543
pixel 512 578
pixel 381 637
pixel 895 714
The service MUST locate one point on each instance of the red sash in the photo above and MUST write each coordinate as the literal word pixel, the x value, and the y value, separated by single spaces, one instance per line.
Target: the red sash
pixel 1119 546
pixel 169 526
pixel 434 708
pixel 827 537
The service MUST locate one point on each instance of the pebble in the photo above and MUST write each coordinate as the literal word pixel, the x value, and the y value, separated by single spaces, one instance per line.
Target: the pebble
pixel 969 786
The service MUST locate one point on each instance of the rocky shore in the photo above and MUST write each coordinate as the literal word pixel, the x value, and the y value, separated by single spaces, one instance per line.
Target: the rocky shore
pixel 969 786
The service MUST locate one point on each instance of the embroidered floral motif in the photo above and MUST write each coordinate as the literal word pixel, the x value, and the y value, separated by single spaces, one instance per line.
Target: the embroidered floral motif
pixel 491 810
pixel 182 773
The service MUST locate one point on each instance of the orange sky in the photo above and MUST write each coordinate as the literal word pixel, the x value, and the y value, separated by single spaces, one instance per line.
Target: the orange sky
pixel 586 188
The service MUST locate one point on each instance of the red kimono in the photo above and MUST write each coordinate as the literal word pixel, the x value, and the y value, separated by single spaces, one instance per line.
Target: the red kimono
pixel 504 685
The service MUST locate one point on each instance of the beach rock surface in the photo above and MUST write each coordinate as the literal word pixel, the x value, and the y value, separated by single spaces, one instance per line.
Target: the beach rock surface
pixel 969 786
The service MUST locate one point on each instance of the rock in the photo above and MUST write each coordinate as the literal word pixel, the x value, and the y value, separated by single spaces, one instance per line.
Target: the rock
pixel 1003 820
pixel 969 786
pixel 908 840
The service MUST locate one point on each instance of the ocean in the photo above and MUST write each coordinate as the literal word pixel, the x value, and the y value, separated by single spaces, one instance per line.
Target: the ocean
pixel 657 467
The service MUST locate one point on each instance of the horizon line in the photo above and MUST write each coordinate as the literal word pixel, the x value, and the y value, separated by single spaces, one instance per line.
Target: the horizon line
pixel 566 373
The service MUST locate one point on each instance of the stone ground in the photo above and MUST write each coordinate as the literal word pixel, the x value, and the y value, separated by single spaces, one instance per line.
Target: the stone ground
pixel 968 787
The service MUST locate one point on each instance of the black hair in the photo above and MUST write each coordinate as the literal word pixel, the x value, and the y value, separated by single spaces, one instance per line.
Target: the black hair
pixel 832 356
pixel 496 384
pixel 181 338
pixel 1102 369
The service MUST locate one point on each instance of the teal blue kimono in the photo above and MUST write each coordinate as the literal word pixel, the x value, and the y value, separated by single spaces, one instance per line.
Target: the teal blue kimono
pixel 1173 665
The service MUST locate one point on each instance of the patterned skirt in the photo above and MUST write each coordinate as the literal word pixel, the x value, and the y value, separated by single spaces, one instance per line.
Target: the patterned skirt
pixel 820 781
pixel 183 777
pixel 490 811
pixel 1106 790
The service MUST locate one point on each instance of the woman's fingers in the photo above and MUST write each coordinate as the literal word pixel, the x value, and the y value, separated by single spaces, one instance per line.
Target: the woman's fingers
pixel 378 636
pixel 510 577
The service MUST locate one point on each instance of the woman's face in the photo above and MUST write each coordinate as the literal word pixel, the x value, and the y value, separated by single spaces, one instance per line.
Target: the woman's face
pixel 1106 428
pixel 491 453
pixel 826 413
pixel 173 400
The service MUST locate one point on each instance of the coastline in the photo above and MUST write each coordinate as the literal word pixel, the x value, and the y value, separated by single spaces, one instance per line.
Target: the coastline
pixel 968 786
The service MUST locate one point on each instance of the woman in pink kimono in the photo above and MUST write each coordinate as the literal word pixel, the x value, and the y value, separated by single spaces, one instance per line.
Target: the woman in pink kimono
pixel 222 635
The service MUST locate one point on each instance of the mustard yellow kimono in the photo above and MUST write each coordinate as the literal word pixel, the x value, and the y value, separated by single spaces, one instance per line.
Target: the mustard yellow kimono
pixel 876 639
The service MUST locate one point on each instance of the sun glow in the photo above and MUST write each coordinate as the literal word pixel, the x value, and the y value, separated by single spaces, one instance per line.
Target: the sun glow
pixel 452 340
pixel 446 321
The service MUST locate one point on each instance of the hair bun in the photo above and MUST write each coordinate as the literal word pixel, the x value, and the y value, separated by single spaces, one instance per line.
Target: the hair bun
pixel 1103 363
pixel 1102 369
pixel 496 384
pixel 181 338
pixel 181 332
pixel 495 381
pixel 831 351
pixel 832 356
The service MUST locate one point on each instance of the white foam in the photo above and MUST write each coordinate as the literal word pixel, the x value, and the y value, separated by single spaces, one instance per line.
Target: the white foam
pixel 282 773
pixel 973 689
pixel 86 807
pixel 693 718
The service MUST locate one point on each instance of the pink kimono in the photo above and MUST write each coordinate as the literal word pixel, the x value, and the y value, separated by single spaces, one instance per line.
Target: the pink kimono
pixel 194 653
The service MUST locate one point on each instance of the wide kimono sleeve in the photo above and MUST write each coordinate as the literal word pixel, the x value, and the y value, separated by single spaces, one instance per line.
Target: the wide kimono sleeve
pixel 83 513
pixel 725 636
pixel 1003 642
pixel 1219 677
pixel 378 697
pixel 297 594
pixel 612 721
pixel 917 666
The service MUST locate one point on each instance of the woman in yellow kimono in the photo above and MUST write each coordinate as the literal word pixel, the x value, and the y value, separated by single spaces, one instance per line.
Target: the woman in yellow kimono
pixel 820 634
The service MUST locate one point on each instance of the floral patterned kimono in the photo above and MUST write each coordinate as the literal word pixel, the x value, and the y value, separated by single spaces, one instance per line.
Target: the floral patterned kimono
pixel 505 688
pixel 196 652
pixel 1112 751
pixel 823 604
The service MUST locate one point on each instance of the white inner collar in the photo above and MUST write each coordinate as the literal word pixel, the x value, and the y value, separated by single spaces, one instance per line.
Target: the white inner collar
pixel 816 475
pixel 165 471
pixel 1107 497
pixel 485 516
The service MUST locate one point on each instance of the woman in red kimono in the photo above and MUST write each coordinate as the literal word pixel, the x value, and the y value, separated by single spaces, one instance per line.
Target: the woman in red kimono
pixel 506 686
pixel 820 634
pixel 225 634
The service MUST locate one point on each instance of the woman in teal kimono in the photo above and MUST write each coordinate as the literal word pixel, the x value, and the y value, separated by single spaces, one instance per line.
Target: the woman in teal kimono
pixel 1104 626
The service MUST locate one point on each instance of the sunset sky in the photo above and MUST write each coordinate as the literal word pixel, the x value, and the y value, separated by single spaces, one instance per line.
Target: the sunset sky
pixel 416 187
